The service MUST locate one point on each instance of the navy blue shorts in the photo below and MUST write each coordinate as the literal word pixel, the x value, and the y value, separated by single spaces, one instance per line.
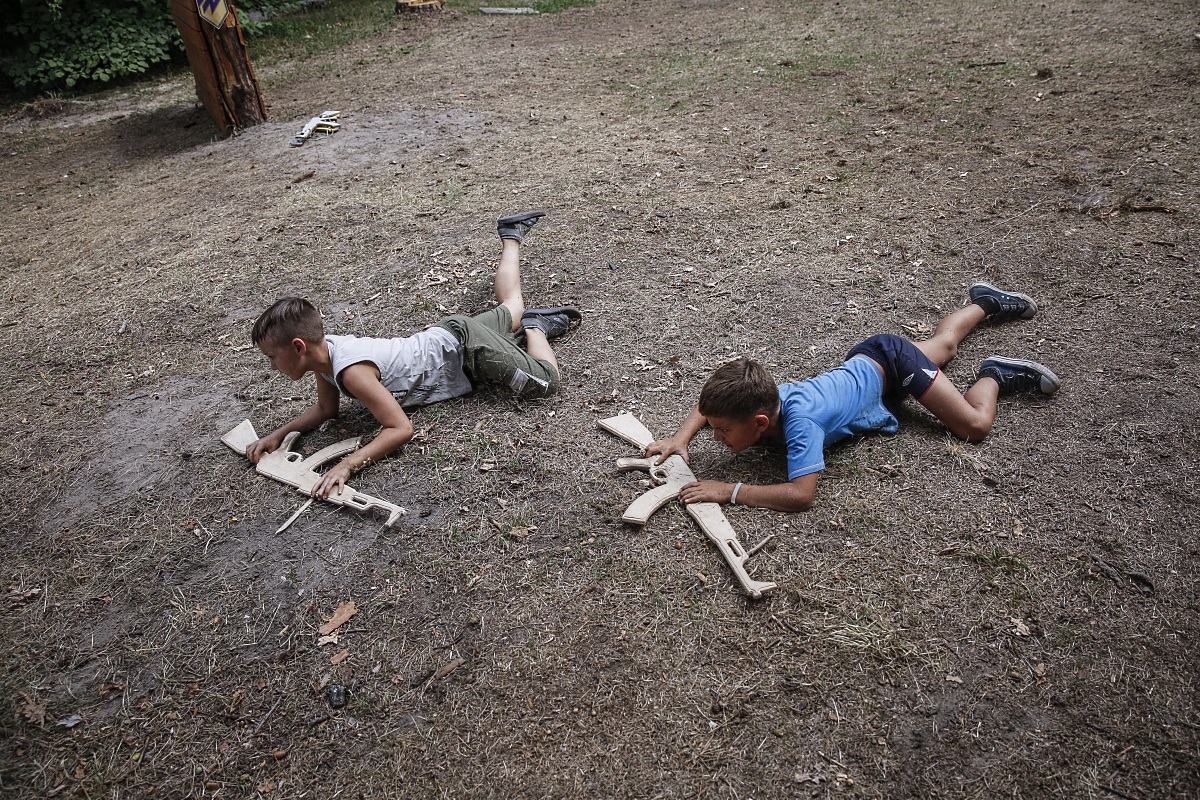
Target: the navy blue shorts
pixel 906 370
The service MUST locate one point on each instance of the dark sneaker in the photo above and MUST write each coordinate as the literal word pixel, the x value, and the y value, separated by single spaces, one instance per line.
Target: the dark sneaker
pixel 553 322
pixel 1002 305
pixel 515 226
pixel 1017 375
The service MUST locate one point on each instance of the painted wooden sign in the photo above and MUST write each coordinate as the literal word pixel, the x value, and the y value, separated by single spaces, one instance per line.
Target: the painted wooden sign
pixel 213 12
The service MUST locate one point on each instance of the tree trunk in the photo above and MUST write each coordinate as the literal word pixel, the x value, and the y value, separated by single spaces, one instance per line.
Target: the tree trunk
pixel 216 51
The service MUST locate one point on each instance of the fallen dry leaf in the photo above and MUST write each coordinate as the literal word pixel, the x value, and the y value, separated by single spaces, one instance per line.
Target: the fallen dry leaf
pixel 446 670
pixel 18 598
pixel 344 612
pixel 109 689
pixel 340 657
pixel 33 711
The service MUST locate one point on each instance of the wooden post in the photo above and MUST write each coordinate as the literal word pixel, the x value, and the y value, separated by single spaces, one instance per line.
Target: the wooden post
pixel 216 51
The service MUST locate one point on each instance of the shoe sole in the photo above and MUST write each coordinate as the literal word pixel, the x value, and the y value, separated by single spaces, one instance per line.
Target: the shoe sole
pixel 568 311
pixel 523 216
pixel 1048 378
pixel 1033 306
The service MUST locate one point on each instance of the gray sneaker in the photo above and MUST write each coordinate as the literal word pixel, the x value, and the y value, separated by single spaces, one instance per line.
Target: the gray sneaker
pixel 515 226
pixel 1018 375
pixel 1001 305
pixel 553 322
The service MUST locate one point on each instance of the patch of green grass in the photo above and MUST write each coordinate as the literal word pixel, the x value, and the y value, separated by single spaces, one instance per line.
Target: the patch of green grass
pixel 998 561
pixel 550 6
pixel 810 64
pixel 319 29
pixel 540 6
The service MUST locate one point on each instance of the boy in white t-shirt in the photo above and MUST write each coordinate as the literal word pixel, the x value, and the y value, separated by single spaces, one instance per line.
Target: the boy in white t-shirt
pixel 507 345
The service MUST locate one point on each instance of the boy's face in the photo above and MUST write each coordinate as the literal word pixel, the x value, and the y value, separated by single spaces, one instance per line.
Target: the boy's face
pixel 287 358
pixel 738 434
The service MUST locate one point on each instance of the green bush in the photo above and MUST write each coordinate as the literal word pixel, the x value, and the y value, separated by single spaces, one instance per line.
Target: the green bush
pixel 60 44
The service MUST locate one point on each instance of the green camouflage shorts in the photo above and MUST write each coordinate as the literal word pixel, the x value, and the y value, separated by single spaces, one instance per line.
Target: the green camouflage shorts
pixel 492 353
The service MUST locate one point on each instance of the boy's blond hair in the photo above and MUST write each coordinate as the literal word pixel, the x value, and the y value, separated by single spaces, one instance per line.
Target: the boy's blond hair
pixel 740 389
pixel 287 319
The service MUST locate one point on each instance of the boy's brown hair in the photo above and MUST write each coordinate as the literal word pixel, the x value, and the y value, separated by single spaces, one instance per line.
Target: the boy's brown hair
pixel 287 319
pixel 739 390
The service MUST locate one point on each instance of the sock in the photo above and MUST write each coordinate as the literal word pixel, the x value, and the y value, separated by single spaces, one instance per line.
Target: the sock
pixel 989 304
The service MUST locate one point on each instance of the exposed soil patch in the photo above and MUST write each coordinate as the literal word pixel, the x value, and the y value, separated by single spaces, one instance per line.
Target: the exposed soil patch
pixel 777 179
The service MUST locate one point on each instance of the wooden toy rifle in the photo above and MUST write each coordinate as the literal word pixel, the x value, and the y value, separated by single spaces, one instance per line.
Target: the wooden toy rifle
pixel 670 476
pixel 287 466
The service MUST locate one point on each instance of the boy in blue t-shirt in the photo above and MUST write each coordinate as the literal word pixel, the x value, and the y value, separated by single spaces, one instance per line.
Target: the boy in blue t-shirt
pixel 742 404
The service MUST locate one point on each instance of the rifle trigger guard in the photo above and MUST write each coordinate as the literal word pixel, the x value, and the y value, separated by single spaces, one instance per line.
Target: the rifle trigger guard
pixel 659 473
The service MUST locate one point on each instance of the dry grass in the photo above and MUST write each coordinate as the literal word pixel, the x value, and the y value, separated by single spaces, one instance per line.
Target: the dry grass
pixel 775 179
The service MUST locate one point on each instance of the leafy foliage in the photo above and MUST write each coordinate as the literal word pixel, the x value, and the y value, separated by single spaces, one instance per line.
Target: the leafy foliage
pixel 59 44
pixel 56 45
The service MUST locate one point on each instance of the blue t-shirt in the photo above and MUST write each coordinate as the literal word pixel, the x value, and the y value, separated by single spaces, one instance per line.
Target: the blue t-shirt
pixel 815 413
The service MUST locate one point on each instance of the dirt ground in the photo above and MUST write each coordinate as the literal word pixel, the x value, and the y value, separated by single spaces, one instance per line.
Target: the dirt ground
pixel 780 179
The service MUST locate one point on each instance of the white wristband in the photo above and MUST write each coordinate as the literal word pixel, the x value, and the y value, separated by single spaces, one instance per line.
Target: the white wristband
pixel 733 497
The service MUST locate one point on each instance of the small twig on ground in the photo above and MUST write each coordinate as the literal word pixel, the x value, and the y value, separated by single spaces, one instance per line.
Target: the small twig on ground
pixel 267 716
pixel 760 545
pixel 1147 207
pixel 1016 216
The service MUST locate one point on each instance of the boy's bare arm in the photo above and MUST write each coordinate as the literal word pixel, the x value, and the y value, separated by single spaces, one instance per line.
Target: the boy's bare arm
pixel 795 495
pixel 678 444
pixel 326 408
pixel 362 381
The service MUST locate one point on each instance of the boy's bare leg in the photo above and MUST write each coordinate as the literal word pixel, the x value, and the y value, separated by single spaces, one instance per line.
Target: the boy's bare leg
pixel 538 346
pixel 508 281
pixel 508 293
pixel 968 416
pixel 942 347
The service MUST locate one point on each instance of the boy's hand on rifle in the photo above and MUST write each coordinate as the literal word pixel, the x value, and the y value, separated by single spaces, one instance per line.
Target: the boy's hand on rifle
pixel 705 492
pixel 332 482
pixel 267 444
pixel 665 448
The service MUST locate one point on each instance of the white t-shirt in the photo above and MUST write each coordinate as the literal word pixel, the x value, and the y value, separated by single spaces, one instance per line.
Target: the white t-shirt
pixel 424 368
